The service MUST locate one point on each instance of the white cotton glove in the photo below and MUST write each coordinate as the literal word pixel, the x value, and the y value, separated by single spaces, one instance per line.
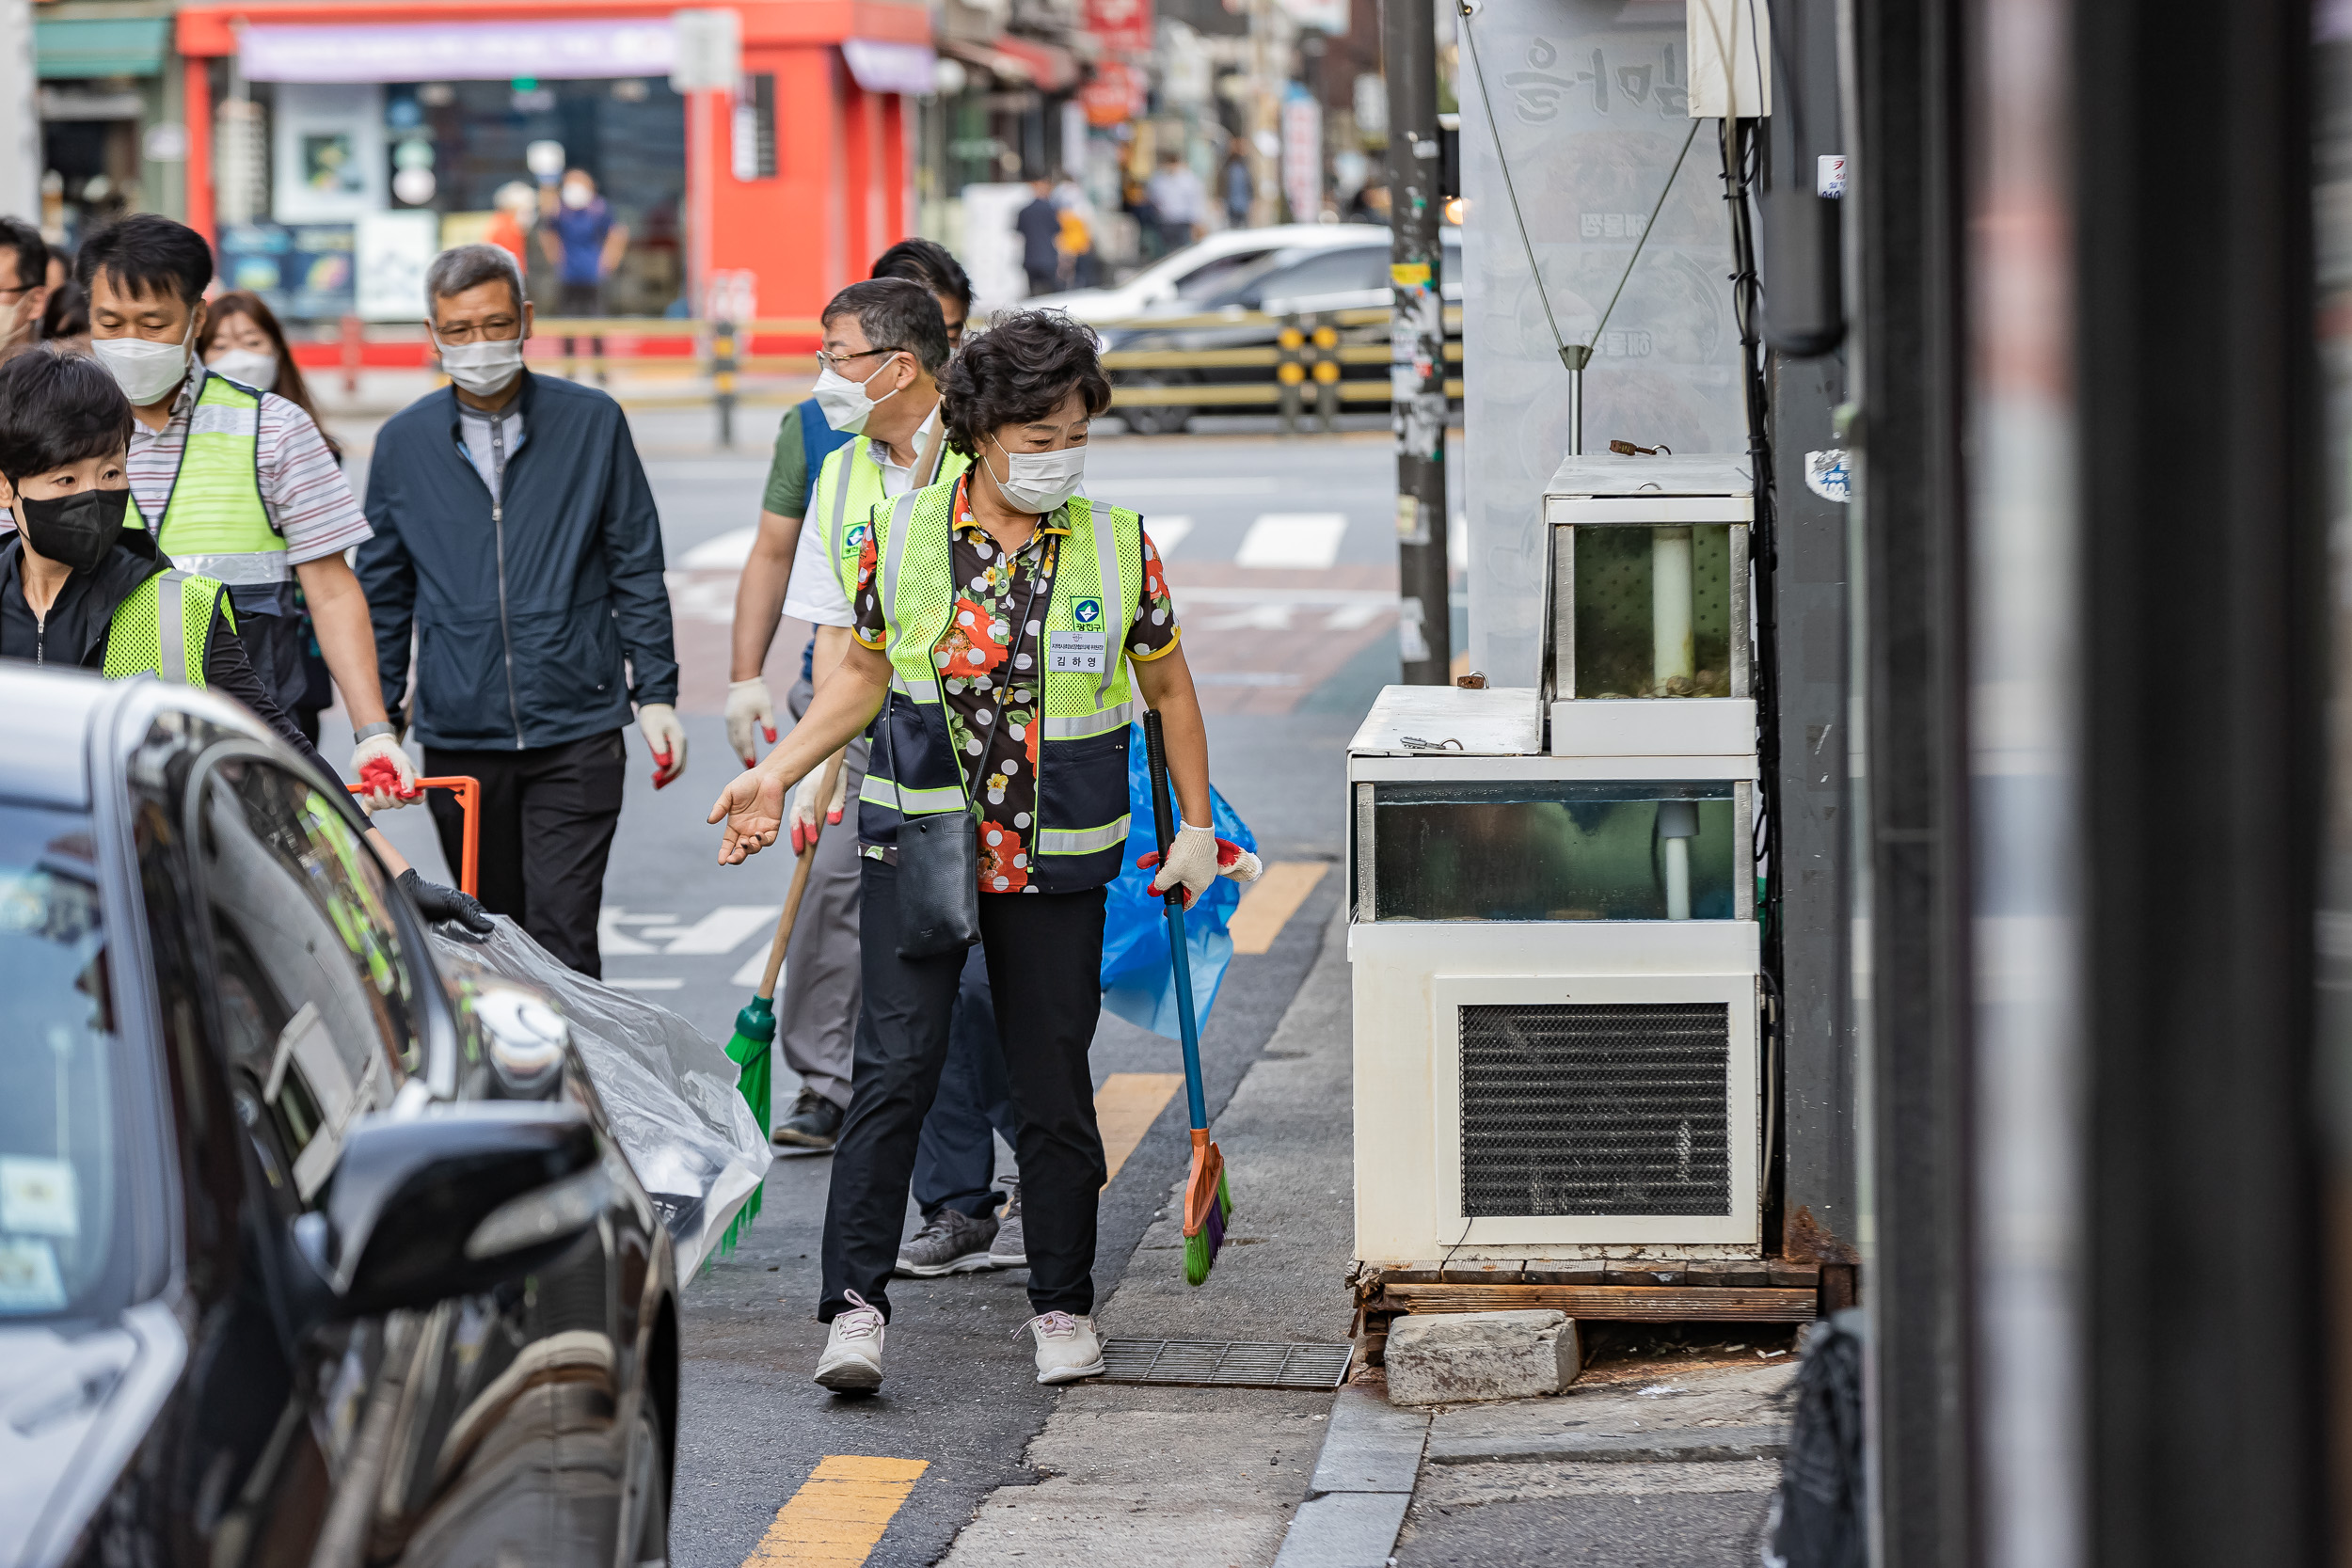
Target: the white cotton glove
pixel 1191 860
pixel 750 709
pixel 384 751
pixel 667 739
pixel 804 824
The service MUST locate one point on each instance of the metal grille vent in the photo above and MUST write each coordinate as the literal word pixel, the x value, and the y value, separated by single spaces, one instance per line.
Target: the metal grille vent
pixel 1225 1364
pixel 1615 1108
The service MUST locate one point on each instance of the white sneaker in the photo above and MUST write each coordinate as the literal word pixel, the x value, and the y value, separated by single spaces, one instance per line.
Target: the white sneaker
pixel 853 1346
pixel 1066 1348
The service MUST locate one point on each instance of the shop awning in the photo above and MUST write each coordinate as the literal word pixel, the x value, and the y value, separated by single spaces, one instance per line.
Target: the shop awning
pixel 125 46
pixel 880 67
pixel 1013 59
pixel 455 51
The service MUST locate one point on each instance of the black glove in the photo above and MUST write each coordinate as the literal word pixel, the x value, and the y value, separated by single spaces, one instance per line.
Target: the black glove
pixel 438 903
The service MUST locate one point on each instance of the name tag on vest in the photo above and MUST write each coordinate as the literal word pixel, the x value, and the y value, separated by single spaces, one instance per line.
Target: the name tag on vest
pixel 1077 652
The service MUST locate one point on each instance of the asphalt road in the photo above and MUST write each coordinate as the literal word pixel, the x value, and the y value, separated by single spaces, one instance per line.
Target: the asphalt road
pixel 1282 561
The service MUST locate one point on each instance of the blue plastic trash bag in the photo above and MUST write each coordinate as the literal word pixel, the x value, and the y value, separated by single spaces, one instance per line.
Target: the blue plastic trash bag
pixel 1138 982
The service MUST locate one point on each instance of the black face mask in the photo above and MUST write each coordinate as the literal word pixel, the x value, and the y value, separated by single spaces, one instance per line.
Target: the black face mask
pixel 76 531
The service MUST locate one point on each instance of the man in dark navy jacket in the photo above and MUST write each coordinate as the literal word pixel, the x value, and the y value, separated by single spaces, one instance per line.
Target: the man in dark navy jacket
pixel 515 534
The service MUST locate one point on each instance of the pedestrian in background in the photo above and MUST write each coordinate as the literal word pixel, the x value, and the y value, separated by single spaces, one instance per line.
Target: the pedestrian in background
pixel 1238 186
pixel 994 579
pixel 1039 224
pixel 517 540
pixel 23 284
pixel 577 231
pixel 248 347
pixel 1178 202
pixel 237 484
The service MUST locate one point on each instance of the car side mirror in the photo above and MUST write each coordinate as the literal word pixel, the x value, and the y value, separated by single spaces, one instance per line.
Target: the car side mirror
pixel 450 1204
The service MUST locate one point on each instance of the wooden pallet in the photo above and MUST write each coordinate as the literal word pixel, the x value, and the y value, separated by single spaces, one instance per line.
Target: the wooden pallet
pixel 1742 1290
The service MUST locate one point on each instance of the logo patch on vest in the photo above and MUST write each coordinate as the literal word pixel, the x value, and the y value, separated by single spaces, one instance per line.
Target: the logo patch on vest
pixel 1087 612
pixel 855 537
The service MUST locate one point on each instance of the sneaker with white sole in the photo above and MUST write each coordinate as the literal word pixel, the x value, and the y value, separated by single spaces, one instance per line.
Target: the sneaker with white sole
pixel 1010 1249
pixel 1067 1347
pixel 950 1242
pixel 853 1350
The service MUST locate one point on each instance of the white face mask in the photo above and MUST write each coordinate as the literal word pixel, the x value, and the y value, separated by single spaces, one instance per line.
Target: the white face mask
pixel 1037 482
pixel 486 368
pixel 145 370
pixel 845 402
pixel 577 196
pixel 246 366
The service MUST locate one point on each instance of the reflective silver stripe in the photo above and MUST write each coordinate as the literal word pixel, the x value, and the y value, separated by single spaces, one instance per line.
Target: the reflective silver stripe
pixel 901 511
pixel 921 689
pixel 1091 724
pixel 245 568
pixel 840 502
pixel 217 418
pixel 1081 841
pixel 1115 603
pixel 909 802
pixel 171 657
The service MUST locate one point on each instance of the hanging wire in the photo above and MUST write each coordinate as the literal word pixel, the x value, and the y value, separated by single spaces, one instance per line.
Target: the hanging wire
pixel 1573 355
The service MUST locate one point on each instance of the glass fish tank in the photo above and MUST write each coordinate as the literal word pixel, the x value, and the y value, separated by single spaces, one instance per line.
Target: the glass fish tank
pixel 1553 850
pixel 1651 609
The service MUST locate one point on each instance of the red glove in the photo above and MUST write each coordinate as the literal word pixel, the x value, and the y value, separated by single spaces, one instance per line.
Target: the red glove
pixel 381 777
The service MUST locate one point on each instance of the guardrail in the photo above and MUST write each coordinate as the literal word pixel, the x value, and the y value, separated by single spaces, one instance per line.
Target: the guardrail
pixel 1300 371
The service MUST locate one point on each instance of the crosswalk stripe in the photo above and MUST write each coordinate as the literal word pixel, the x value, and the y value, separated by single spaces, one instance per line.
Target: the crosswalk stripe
pixel 722 930
pixel 837 1517
pixel 1166 531
pixel 1293 539
pixel 1125 1107
pixel 1268 904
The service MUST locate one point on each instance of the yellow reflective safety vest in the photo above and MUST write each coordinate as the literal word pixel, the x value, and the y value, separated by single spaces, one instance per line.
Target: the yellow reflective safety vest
pixel 216 523
pixel 1082 751
pixel 848 486
pixel 163 627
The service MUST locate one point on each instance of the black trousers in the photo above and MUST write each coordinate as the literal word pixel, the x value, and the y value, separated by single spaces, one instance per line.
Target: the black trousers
pixel 1044 955
pixel 560 804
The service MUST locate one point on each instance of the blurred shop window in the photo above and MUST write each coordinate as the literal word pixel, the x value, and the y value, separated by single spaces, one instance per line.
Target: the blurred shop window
pixel 755 129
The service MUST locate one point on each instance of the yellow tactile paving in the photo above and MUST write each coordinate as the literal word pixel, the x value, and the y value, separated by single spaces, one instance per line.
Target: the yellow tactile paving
pixel 838 1515
pixel 1268 904
pixel 1125 1107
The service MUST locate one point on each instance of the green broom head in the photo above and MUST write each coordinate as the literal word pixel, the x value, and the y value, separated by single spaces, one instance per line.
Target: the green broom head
pixel 1208 1205
pixel 754 1033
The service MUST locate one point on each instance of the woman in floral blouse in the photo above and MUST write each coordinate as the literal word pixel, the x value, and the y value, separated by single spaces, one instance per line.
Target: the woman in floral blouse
pixel 970 718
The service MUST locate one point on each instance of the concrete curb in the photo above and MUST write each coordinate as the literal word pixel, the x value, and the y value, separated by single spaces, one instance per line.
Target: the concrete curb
pixel 1718 1445
pixel 1363 1483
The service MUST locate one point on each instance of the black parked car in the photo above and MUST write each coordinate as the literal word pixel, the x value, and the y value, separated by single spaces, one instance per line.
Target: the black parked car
pixel 1322 281
pixel 306 1254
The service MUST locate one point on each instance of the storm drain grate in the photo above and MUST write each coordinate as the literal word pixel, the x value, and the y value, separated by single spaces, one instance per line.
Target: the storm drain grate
pixel 1224 1363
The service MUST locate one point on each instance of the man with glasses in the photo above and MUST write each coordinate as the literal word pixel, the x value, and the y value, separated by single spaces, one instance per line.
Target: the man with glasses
pixel 23 284
pixel 515 537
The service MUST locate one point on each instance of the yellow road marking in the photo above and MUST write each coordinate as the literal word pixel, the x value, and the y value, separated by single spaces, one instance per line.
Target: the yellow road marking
pixel 838 1515
pixel 1127 1105
pixel 1268 904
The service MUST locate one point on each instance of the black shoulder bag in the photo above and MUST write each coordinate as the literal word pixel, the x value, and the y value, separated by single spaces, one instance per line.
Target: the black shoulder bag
pixel 939 854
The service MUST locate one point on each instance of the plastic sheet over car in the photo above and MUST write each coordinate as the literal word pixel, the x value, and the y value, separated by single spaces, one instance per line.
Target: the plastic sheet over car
pixel 667 1092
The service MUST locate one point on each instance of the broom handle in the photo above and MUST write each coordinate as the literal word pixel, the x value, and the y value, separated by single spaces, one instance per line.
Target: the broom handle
pixel 800 885
pixel 1155 754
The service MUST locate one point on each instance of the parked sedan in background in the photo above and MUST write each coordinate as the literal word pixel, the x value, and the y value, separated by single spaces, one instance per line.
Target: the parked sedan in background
pixel 1202 268
pixel 1321 279
pixel 306 1254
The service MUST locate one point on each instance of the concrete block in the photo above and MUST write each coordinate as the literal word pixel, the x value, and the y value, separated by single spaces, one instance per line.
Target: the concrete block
pixel 1453 1357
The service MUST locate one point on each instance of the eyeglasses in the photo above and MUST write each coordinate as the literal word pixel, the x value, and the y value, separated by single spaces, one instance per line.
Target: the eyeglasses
pixel 835 361
pixel 497 328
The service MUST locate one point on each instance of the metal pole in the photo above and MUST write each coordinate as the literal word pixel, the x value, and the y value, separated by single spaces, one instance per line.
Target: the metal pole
pixel 1417 342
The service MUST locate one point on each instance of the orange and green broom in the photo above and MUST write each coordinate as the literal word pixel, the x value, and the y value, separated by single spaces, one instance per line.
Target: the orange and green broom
pixel 755 1025
pixel 1208 1205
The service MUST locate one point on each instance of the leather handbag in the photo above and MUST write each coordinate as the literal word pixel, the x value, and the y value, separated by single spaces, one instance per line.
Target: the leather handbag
pixel 939 853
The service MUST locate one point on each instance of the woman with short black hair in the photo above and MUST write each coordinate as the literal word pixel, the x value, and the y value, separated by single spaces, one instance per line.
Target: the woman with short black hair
pixel 1015 628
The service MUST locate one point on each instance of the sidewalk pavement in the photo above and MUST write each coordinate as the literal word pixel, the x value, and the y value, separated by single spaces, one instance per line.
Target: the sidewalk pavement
pixel 1179 1477
pixel 1641 1464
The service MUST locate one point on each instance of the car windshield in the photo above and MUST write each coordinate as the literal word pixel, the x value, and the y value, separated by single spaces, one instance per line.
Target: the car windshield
pixel 60 1071
pixel 1212 279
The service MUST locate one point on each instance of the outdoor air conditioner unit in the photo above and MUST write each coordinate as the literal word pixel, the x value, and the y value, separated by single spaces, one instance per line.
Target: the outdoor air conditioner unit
pixel 1555 955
